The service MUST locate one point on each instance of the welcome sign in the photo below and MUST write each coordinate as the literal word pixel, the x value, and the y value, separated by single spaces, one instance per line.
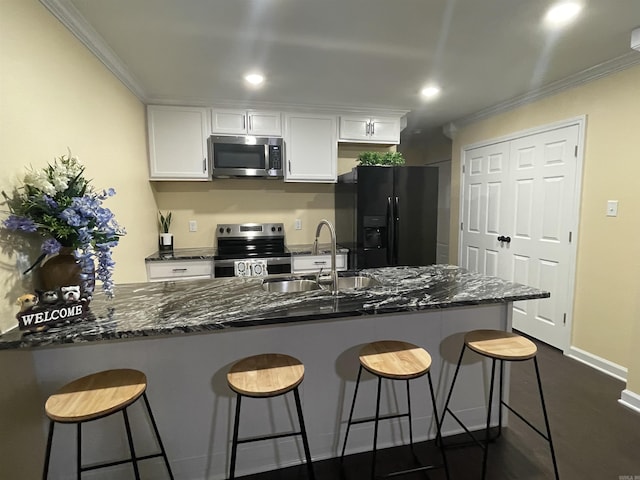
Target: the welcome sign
pixel 37 317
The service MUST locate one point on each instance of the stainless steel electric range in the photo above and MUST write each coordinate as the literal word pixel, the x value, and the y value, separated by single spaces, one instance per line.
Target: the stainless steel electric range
pixel 251 249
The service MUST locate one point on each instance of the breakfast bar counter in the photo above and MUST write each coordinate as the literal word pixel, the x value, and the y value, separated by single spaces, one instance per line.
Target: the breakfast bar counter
pixel 169 308
pixel 184 336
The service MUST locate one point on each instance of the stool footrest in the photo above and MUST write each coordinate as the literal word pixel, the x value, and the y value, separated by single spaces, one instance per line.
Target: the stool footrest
pixel 118 462
pixel 422 468
pixel 381 417
pixel 533 427
pixel 268 437
pixel 469 432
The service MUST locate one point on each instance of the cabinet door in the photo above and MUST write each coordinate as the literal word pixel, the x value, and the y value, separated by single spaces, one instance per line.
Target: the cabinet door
pixel 315 263
pixel 311 148
pixel 354 129
pixel 384 130
pixel 177 143
pixel 231 122
pixel 265 124
pixel 370 129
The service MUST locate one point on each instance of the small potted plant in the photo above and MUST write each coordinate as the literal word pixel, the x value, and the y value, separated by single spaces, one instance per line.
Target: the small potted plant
pixel 166 238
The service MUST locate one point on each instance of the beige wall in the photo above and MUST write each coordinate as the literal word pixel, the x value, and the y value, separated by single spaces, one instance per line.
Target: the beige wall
pixel 608 265
pixel 56 94
pixel 251 200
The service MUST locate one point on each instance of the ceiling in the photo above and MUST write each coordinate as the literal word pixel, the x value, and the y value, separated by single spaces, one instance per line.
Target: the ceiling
pixel 352 54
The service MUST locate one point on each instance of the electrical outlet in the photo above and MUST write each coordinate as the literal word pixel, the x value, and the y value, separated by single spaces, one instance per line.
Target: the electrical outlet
pixel 193 226
pixel 612 208
pixel 298 224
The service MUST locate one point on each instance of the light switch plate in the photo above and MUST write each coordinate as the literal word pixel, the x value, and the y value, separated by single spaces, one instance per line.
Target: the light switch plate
pixel 193 226
pixel 298 224
pixel 612 208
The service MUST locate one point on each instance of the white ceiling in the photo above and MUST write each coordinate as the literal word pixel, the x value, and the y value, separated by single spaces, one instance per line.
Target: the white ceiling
pixel 356 54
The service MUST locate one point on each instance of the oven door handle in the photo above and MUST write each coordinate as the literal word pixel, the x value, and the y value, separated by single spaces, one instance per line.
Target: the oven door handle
pixel 230 262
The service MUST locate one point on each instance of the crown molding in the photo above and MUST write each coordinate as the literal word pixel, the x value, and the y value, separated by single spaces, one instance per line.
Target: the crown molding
pixel 593 73
pixel 71 18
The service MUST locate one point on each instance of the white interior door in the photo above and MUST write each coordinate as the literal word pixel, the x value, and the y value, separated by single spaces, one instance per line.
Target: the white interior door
pixel 543 174
pixel 525 191
pixel 485 182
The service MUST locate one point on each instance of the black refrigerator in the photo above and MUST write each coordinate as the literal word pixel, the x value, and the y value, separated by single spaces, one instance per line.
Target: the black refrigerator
pixel 387 216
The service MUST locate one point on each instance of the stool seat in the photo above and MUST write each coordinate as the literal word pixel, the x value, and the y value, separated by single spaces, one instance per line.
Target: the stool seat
pixel 500 344
pixel 395 359
pixel 96 395
pixel 265 375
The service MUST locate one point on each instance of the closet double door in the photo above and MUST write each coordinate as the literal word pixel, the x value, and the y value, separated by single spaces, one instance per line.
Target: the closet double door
pixel 519 214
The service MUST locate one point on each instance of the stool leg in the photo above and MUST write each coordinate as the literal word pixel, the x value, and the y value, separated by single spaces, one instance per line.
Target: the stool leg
pixel 47 455
pixel 353 404
pixel 303 432
pixel 375 431
pixel 438 426
pixel 546 420
pixel 79 451
pixel 132 449
pixel 501 399
pixel 453 383
pixel 234 442
pixel 487 438
pixel 410 419
pixel 157 433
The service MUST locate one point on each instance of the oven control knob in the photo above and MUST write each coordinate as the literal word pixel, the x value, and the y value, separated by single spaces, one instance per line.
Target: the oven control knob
pixel 228 230
pixel 279 229
pixel 273 229
pixel 221 230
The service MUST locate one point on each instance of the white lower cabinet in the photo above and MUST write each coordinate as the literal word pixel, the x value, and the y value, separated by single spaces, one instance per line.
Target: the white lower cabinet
pixel 164 270
pixel 314 263
pixel 311 148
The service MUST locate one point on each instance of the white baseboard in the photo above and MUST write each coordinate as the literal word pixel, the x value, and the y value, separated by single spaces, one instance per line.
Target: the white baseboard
pixel 612 369
pixel 630 400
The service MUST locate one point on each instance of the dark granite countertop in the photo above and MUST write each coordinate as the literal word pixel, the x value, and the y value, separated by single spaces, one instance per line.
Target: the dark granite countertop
pixel 193 306
pixel 183 254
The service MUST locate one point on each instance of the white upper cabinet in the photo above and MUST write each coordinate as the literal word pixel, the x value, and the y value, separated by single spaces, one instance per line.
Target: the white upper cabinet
pixel 311 148
pixel 178 142
pixel 246 122
pixel 370 129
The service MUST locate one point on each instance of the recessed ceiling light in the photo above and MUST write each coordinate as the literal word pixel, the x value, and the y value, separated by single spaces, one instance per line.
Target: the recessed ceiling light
pixel 430 91
pixel 254 79
pixel 562 13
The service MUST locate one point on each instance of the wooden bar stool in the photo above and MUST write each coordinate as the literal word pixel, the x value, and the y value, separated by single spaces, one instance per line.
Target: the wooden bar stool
pixel 501 346
pixel 265 376
pixel 97 396
pixel 395 360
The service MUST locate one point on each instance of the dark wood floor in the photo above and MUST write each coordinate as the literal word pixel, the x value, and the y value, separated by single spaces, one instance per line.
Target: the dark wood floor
pixel 595 437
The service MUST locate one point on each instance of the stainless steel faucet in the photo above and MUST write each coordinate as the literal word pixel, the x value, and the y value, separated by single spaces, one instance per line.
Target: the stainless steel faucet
pixel 332 231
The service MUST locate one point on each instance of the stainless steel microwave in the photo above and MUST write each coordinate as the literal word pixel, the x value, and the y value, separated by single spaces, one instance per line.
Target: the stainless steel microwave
pixel 246 156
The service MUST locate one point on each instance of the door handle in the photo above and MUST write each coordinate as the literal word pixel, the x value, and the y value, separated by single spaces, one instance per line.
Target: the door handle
pixel 502 238
pixel 373 128
pixel 396 229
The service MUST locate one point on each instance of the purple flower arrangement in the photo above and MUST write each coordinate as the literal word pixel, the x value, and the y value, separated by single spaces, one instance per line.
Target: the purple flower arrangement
pixel 58 203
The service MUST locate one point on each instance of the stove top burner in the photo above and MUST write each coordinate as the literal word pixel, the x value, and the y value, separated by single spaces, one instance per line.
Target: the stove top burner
pixel 250 240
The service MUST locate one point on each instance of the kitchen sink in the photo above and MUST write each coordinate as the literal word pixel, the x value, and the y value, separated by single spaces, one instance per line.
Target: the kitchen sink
pixel 293 284
pixel 289 285
pixel 358 281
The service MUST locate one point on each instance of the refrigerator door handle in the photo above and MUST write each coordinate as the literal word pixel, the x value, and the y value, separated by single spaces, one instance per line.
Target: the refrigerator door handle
pixel 390 231
pixel 396 229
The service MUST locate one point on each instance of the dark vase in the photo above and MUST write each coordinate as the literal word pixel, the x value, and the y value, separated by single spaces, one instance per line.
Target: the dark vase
pixel 63 270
